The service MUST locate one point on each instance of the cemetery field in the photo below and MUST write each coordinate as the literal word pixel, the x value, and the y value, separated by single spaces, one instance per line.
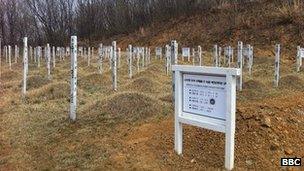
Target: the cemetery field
pixel 133 127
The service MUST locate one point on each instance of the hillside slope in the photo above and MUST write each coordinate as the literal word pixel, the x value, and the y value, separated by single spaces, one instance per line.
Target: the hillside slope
pixel 261 24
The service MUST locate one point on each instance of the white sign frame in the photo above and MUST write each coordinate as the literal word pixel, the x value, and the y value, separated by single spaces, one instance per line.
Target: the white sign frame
pixel 226 126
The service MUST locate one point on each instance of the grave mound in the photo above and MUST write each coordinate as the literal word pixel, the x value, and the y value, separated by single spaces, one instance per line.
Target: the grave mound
pixel 167 98
pixel 49 92
pixel 143 84
pixel 154 68
pixel 127 106
pixel 95 78
pixel 95 82
pixel 36 81
pixel 10 75
pixel 291 82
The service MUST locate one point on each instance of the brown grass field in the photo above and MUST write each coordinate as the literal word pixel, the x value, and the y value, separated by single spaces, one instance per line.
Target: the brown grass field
pixel 133 128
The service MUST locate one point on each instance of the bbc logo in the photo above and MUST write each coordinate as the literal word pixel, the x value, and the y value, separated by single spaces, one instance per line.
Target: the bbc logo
pixel 291 161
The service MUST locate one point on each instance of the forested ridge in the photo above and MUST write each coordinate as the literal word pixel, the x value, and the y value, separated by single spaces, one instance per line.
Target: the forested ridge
pixel 54 21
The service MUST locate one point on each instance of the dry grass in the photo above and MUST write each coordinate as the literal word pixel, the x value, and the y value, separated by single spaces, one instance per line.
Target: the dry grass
pixel 133 128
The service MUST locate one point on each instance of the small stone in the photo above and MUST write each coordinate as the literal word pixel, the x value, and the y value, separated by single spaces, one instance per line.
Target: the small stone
pixel 288 151
pixel 266 122
pixel 193 160
pixel 249 162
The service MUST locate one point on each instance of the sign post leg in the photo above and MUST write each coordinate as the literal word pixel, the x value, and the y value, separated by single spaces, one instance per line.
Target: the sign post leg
pixel 230 123
pixel 229 149
pixel 178 139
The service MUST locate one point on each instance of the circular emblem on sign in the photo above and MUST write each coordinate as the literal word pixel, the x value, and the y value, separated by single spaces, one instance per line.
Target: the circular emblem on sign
pixel 212 101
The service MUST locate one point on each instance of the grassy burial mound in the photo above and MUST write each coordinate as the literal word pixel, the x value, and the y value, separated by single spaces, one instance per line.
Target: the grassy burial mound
pixel 144 84
pixel 36 81
pixel 53 91
pixel 95 82
pixel 127 107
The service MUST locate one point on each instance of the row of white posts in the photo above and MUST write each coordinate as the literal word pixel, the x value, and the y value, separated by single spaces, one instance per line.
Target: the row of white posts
pixel 244 56
pixel 111 52
pixel 171 59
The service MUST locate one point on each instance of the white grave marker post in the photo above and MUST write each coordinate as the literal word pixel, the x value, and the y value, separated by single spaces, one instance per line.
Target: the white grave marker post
pixel 174 53
pixel 89 56
pixel 158 52
pixel 186 53
pixel 110 56
pixel 199 51
pixel 225 56
pixel 31 53
pixel 114 66
pixel 35 54
pixel 143 57
pixel 300 56
pixel 16 53
pixel 240 64
pixel 137 58
pixel 5 51
pixel 73 101
pixel 92 52
pixel 193 56
pixel 54 57
pixel 25 65
pixel 62 53
pixel 45 54
pixel 215 56
pixel 38 55
pixel 219 56
pixel 148 55
pixel 118 56
pixel 48 57
pixel 277 65
pixel 168 50
pixel 130 60
pixel 232 54
pixel 231 59
pixel 250 62
pixel 9 57
pixel 100 58
pixel 206 97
